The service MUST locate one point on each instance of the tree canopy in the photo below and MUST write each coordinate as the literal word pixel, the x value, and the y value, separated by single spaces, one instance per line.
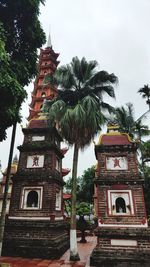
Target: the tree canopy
pixel 11 92
pixel 145 92
pixel 20 37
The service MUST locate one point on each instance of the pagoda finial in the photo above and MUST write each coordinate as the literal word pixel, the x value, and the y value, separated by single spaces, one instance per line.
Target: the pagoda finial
pixel 49 42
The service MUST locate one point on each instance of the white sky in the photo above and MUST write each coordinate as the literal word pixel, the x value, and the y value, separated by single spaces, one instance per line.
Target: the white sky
pixel 113 32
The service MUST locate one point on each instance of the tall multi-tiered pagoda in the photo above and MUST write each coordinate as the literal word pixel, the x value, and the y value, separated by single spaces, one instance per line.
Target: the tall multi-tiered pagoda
pixel 123 235
pixel 42 91
pixel 35 226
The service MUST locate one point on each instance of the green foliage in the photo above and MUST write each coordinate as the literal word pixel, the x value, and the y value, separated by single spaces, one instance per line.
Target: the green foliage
pixel 79 106
pixel 85 186
pixel 81 78
pixel 145 148
pixel 83 209
pixel 11 92
pixel 78 124
pixel 20 36
pixel 145 92
pixel 140 130
pixel 86 191
pixel 23 36
pixel 125 119
pixel 49 79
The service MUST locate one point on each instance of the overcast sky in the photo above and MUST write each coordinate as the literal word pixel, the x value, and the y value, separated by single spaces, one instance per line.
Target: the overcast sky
pixel 113 32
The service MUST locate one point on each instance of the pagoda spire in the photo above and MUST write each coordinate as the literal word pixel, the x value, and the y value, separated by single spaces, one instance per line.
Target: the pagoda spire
pixel 49 41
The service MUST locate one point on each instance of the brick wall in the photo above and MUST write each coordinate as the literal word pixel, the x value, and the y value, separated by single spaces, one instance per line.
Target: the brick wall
pixel 139 207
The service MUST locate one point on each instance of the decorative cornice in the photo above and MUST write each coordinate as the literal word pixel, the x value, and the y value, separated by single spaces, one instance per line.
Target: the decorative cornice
pixel 48 130
pixel 115 148
pixel 40 146
pixel 39 175
pixel 124 179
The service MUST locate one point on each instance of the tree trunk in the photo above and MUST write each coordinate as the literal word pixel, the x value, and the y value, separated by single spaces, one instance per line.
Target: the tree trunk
pixel 4 206
pixel 74 256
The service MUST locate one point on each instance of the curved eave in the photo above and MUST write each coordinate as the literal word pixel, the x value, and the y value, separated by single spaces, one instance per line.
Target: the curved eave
pixel 39 99
pixel 64 150
pixel 43 87
pixel 65 172
pixel 66 196
pixel 33 113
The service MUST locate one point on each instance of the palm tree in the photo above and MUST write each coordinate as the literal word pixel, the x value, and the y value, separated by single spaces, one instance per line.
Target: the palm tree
pixel 124 117
pixel 145 91
pixel 78 111
pixel 146 151
pixel 140 130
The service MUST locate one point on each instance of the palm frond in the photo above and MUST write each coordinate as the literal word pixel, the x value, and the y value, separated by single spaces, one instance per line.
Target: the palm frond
pixel 50 79
pixel 101 90
pixel 65 77
pixel 145 91
pixel 90 104
pixel 56 109
pixel 79 114
pixel 103 78
pixel 107 107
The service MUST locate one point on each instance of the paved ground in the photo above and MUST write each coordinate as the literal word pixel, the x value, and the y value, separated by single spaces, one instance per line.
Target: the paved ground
pixel 83 249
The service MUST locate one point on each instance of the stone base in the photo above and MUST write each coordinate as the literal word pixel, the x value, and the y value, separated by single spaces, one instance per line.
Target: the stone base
pixel 35 239
pixel 108 252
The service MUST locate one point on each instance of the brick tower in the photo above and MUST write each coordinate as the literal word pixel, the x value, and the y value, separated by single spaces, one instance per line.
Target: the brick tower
pixel 123 236
pixel 35 226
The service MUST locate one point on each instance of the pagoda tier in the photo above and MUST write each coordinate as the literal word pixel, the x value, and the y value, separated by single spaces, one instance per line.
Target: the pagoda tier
pixel 47 65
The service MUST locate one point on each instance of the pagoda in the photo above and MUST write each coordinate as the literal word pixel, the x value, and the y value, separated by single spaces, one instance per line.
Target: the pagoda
pixel 42 91
pixel 123 235
pixel 36 223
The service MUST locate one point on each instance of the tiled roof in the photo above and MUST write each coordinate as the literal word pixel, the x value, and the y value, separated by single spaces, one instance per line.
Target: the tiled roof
pixel 66 196
pixel 37 124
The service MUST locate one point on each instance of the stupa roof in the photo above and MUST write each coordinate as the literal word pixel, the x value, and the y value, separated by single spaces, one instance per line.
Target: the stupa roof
pixel 114 137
